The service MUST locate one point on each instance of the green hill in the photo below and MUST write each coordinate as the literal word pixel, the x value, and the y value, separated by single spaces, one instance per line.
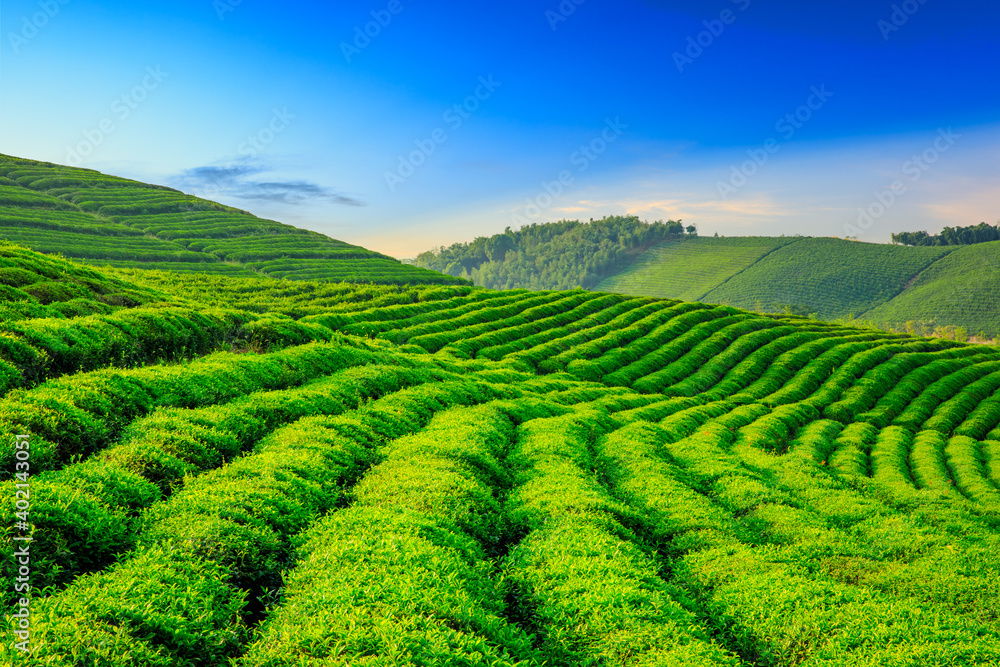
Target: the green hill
pixel 690 268
pixel 922 289
pixel 944 290
pixel 963 288
pixel 259 473
pixel 830 277
pixel 556 255
pixel 112 221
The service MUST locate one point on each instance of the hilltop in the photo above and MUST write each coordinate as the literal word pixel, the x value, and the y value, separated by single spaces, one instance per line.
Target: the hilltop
pixel 557 255
pixel 111 221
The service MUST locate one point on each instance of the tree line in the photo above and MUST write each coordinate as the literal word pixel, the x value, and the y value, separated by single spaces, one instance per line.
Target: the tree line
pixel 555 255
pixel 981 233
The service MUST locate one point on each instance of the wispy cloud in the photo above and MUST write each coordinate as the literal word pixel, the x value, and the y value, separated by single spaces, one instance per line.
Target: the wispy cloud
pixel 293 192
pixel 218 175
pixel 234 180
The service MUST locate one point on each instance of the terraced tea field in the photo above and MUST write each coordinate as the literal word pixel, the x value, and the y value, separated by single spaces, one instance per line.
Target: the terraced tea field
pixel 692 268
pixel 111 221
pixel 309 474
pixel 889 285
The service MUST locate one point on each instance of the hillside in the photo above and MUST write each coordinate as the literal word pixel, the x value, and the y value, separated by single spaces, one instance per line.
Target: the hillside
pixel 941 288
pixel 961 288
pixel 112 221
pixel 890 286
pixel 830 277
pixel 35 286
pixel 557 255
pixel 690 269
pixel 448 475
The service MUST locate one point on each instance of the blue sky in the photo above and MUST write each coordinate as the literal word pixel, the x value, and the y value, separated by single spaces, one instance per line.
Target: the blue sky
pixel 449 120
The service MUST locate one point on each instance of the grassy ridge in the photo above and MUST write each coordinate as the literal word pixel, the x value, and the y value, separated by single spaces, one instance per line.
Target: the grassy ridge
pixel 34 286
pixel 829 277
pixel 928 289
pixel 961 288
pixel 912 288
pixel 85 214
pixel 691 268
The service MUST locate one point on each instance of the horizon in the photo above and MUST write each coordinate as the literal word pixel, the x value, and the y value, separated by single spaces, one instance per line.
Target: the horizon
pixel 439 125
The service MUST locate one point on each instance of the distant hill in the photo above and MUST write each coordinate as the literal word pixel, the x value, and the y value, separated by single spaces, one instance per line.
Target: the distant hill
pixel 951 290
pixel 558 255
pixel 691 269
pixel 830 277
pixel 892 286
pixel 105 220
pixel 963 288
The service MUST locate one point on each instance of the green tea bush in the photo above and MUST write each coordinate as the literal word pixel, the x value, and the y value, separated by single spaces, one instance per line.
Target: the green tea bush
pixel 84 412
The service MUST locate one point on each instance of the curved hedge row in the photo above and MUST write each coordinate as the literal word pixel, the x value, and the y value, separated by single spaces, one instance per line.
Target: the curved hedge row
pixel 85 412
pixel 226 537
pixel 704 486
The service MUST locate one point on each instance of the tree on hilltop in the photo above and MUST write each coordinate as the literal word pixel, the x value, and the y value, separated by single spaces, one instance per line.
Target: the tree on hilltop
pixel 981 233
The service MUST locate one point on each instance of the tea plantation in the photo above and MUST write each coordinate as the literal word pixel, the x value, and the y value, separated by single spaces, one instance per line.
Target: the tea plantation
pixel 255 472
pixel 113 221
pixel 833 279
